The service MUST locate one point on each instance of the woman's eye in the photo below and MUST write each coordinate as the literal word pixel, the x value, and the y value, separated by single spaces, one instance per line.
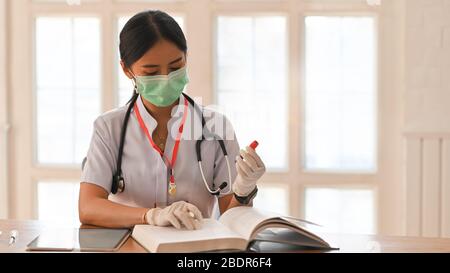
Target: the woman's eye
pixel 152 73
pixel 172 69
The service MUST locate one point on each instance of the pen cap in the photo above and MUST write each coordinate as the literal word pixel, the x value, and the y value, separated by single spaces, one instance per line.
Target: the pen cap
pixel 254 144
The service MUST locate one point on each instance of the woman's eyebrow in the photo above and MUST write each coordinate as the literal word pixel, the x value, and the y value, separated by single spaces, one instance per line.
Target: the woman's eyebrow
pixel 175 61
pixel 155 65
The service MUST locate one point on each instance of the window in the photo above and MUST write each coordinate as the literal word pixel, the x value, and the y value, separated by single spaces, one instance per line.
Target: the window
pixel 340 99
pixel 341 210
pixel 67 87
pixel 272 198
pixel 58 203
pixel 313 112
pixel 251 83
pixel 124 84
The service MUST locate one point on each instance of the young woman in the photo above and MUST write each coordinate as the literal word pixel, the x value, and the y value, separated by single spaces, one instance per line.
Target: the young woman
pixel 156 177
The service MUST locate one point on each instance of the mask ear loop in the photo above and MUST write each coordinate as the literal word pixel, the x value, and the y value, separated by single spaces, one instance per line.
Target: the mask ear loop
pixel 135 89
pixel 134 82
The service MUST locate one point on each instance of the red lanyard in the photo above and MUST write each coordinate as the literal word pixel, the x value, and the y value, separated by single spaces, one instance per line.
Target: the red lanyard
pixel 170 163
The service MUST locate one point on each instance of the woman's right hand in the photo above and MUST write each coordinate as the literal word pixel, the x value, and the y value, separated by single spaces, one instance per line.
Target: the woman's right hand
pixel 177 214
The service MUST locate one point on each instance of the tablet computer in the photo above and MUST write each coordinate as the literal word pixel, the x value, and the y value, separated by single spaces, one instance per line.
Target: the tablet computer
pixel 80 239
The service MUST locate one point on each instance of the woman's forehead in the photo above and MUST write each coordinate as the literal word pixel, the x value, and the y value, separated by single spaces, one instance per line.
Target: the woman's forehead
pixel 161 54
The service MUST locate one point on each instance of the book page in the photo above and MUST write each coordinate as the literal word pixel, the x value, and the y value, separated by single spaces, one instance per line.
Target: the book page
pixel 244 220
pixel 153 237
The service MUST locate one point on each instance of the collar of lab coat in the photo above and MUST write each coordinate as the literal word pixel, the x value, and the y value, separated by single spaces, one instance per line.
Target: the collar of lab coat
pixel 150 121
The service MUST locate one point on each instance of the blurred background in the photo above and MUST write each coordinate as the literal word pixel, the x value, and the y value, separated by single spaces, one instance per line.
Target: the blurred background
pixel 349 100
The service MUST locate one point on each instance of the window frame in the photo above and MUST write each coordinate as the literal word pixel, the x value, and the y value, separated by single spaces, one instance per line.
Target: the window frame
pixel 298 177
pixel 215 88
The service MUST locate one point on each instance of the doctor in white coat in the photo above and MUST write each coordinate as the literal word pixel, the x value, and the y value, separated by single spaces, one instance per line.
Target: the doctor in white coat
pixel 157 179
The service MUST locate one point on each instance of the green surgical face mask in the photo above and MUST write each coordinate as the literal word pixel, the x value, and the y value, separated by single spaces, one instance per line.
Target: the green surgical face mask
pixel 162 90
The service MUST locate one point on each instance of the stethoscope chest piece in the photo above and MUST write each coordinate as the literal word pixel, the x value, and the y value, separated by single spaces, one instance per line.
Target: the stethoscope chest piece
pixel 118 185
pixel 121 185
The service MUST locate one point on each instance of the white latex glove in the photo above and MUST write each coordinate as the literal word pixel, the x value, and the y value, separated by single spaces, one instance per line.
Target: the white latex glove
pixel 249 169
pixel 178 214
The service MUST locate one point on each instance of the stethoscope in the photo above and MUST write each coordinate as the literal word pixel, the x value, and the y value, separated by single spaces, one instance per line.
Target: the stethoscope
pixel 118 182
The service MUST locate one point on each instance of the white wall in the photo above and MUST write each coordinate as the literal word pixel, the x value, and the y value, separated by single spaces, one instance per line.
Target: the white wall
pixel 3 114
pixel 428 66
pixel 427 117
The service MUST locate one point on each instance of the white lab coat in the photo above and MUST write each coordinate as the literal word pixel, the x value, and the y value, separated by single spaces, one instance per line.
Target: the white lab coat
pixel 145 173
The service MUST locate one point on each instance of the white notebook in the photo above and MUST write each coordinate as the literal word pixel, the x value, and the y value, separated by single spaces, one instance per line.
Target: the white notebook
pixel 236 229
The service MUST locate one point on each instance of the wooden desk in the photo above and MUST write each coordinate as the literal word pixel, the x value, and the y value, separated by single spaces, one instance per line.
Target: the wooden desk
pixel 28 230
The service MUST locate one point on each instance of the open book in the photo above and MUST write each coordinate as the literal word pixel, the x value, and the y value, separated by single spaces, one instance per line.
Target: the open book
pixel 236 229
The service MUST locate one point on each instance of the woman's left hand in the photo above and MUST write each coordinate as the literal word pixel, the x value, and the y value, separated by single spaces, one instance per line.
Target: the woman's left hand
pixel 250 168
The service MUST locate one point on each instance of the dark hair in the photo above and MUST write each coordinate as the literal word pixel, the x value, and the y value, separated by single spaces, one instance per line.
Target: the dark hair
pixel 144 30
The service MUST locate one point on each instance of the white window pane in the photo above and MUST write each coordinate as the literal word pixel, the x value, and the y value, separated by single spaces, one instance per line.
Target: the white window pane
pixel 86 71
pixel 340 121
pixel 53 48
pixel 68 87
pixel 251 82
pixel 272 198
pixel 125 85
pixel 58 203
pixel 341 210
